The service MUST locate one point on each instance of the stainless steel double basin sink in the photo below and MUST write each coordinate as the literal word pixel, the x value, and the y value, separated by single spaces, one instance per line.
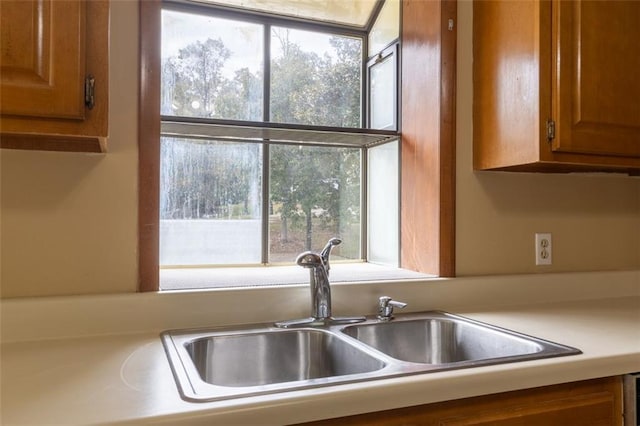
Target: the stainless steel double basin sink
pixel 222 363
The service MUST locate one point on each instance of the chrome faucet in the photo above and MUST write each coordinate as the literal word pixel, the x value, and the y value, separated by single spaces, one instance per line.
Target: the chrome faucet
pixel 319 266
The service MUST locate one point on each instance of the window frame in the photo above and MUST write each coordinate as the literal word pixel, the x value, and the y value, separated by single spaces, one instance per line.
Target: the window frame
pixel 241 130
pixel 433 208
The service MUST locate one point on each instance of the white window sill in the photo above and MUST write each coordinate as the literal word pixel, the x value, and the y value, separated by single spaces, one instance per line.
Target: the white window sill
pixel 199 278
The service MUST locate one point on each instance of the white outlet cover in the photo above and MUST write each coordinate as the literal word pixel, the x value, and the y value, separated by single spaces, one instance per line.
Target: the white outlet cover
pixel 543 249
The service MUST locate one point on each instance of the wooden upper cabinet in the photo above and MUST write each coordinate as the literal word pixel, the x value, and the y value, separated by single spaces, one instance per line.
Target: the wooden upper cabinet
pixel 556 85
pixel 596 87
pixel 31 69
pixel 51 51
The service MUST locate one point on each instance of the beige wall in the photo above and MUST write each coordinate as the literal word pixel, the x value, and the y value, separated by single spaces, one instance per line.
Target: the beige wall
pixel 68 223
pixel 594 218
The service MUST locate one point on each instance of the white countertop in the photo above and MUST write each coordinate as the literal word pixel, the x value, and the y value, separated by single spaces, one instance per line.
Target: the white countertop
pixel 126 378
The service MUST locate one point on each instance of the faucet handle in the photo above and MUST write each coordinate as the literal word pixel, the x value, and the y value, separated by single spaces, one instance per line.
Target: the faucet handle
pixel 385 307
pixel 309 259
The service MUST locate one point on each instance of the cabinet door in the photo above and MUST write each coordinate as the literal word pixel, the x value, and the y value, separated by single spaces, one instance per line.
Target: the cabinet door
pixel 595 402
pixel 596 86
pixel 42 57
pixel 48 48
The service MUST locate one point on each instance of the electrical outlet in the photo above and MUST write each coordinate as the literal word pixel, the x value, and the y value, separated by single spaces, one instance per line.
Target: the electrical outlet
pixel 543 249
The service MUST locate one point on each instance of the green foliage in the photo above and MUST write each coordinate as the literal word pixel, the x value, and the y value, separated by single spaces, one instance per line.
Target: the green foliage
pixel 209 180
pixel 319 182
pixel 309 89
pixel 240 98
pixel 197 77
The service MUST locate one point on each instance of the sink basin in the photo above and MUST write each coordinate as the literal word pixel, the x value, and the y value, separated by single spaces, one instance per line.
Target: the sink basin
pixel 222 363
pixel 442 341
pixel 265 358
pixel 219 363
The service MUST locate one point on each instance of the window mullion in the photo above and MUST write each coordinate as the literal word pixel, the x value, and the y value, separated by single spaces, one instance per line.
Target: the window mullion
pixel 265 203
pixel 266 67
pixel 364 204
pixel 266 116
pixel 364 85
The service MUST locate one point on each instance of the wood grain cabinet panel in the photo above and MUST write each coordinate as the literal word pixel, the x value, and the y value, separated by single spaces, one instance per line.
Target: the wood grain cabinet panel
pixel 596 84
pixel 555 85
pixel 587 403
pixel 48 49
pixel 31 67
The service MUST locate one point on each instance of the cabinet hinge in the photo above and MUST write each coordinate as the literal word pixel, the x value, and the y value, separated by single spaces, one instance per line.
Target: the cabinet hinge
pixel 551 130
pixel 89 91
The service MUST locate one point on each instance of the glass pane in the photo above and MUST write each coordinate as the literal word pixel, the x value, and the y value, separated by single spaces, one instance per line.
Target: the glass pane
pixel 350 12
pixel 314 195
pixel 211 67
pixel 383 99
pixel 210 202
pixel 383 210
pixel 315 78
pixel 386 28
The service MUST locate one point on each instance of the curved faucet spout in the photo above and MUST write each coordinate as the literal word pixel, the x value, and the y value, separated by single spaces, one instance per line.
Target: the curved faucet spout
pixel 318 265
pixel 326 252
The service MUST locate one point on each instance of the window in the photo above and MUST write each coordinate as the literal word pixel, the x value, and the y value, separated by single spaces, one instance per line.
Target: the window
pixel 426 188
pixel 229 200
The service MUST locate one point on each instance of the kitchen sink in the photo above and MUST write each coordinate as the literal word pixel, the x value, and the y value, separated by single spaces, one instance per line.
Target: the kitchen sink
pixel 445 340
pixel 223 362
pixel 263 358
